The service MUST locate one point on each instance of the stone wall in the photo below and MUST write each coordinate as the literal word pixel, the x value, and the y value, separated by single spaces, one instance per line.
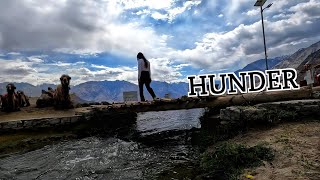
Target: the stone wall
pixel 89 120
pixel 40 123
pixel 273 112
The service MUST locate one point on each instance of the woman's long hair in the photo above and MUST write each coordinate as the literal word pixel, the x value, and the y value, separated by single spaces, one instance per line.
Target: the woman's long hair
pixel 141 56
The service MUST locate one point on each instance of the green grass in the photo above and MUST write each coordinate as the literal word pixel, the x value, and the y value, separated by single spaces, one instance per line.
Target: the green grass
pixel 229 160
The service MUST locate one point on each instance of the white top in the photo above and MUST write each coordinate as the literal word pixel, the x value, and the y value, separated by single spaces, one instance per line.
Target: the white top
pixel 309 77
pixel 142 67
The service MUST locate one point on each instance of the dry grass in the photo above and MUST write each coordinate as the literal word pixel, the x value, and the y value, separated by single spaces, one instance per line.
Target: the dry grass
pixel 297 148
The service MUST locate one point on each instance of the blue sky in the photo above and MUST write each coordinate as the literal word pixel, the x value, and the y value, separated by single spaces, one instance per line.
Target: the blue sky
pixel 99 39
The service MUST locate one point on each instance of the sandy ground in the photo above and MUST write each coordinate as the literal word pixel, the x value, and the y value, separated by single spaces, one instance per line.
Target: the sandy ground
pixel 297 147
pixel 32 112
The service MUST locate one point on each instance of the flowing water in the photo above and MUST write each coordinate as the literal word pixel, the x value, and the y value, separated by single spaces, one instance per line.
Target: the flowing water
pixel 110 158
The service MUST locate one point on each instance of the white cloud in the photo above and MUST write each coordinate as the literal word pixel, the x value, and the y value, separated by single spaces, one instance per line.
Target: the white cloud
pixel 37 59
pixel 13 53
pixel 143 12
pixel 163 69
pixel 34 71
pixel 158 16
pixel 131 4
pixel 281 16
pixel 253 12
pixel 84 74
pixel 171 12
pixel 88 27
pixel 15 70
pixel 220 15
pixel 243 44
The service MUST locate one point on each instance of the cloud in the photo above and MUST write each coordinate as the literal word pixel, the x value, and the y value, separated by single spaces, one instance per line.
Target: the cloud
pixel 73 26
pixel 168 12
pixel 103 73
pixel 168 32
pixel 164 69
pixel 38 70
pixel 33 70
pixel 159 16
pixel 36 59
pixel 132 4
pixel 172 13
pixel 253 12
pixel 14 53
pixel 15 70
pixel 243 44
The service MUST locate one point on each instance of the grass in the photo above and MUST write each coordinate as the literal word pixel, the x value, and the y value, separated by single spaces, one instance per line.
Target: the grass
pixel 229 160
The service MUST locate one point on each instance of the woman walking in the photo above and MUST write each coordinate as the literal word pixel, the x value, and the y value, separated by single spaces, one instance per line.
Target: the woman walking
pixel 144 76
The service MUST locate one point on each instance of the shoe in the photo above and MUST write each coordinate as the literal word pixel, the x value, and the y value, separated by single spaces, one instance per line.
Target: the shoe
pixel 156 99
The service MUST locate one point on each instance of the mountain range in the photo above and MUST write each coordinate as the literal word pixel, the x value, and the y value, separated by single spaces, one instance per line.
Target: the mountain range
pixel 112 91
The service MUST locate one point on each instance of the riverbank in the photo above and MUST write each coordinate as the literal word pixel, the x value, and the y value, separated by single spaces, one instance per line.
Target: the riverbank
pixel 27 141
pixel 296 146
pixel 234 138
pixel 157 140
pixel 290 129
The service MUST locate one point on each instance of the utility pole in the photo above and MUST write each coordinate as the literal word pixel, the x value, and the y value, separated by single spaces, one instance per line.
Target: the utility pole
pixel 261 3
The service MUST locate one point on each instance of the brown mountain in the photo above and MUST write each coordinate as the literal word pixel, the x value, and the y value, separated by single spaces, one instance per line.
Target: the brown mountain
pixel 298 58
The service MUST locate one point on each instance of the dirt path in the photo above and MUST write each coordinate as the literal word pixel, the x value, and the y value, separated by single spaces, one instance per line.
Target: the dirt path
pixel 32 112
pixel 297 148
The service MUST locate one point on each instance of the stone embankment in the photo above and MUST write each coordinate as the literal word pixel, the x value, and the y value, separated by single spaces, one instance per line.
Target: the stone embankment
pixel 88 118
pixel 39 123
pixel 271 106
pixel 273 112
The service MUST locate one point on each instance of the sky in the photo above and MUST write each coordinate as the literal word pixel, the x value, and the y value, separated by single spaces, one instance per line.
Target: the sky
pixel 95 40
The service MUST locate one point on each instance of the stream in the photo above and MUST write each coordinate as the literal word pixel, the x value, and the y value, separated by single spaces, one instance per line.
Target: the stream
pixel 113 157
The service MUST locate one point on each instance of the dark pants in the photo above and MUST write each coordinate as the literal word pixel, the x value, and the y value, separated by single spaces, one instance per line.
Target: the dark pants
pixel 145 79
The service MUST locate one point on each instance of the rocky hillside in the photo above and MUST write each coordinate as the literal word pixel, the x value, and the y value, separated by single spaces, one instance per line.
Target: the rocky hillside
pixel 113 90
pixel 261 64
pixel 298 58
pixel 309 55
pixel 313 59
pixel 110 91
pixel 30 90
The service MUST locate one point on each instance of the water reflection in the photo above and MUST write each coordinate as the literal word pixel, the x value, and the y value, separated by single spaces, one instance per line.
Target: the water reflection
pixel 153 122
